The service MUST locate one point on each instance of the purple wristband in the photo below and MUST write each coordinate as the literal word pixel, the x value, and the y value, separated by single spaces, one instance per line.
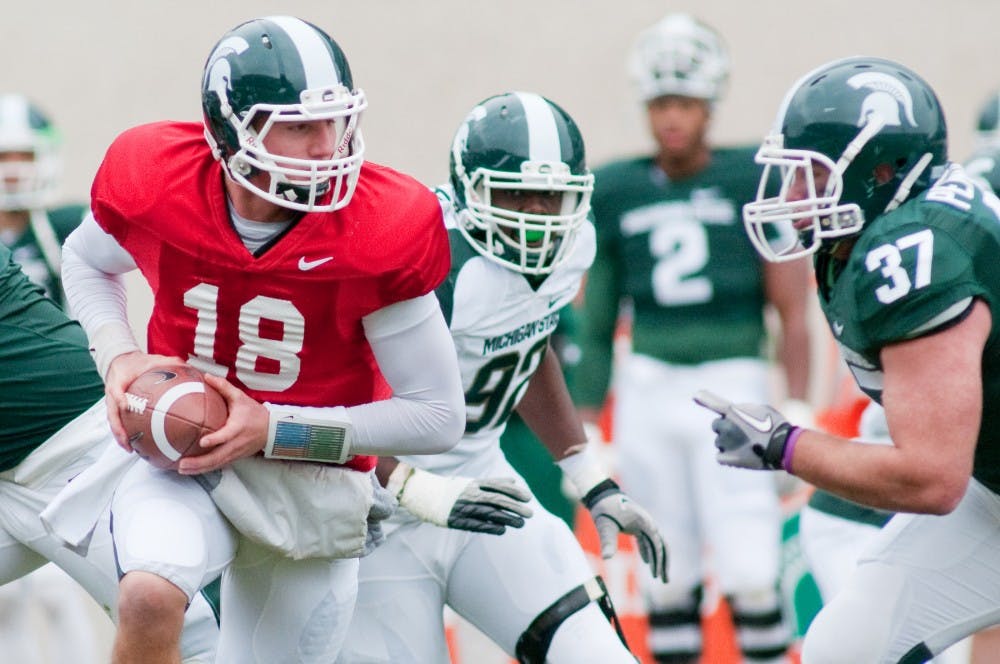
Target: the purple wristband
pixel 786 454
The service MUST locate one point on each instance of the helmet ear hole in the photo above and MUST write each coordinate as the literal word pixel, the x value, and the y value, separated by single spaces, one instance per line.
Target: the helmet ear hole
pixel 884 173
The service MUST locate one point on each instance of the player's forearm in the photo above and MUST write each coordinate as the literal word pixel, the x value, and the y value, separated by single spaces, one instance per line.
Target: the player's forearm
pixel 414 351
pixel 95 291
pixel 549 412
pixel 880 476
pixel 796 358
pixel 425 415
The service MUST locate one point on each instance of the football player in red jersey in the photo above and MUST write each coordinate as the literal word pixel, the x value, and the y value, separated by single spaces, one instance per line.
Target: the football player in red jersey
pixel 301 279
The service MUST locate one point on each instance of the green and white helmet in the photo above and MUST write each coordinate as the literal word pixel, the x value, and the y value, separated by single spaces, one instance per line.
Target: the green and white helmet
pixel 874 125
pixel 27 183
pixel 520 141
pixel 984 166
pixel 679 55
pixel 283 69
pixel 988 121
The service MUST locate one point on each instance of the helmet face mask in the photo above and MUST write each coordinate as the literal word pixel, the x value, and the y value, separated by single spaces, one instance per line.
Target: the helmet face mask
pixel 798 225
pixel 283 70
pixel 520 142
pixel 876 133
pixel 30 165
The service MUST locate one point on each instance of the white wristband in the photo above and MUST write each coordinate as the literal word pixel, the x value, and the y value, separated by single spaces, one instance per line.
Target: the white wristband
pixel 296 436
pixel 398 478
pixel 583 470
pixel 111 339
pixel 427 496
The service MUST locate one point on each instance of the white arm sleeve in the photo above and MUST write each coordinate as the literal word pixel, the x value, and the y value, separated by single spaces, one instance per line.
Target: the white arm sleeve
pixel 92 265
pixel 414 351
pixel 426 413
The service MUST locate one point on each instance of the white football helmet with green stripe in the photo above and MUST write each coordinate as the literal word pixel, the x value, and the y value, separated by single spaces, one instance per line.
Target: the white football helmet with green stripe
pixel 283 69
pixel 679 56
pixel 30 164
pixel 520 141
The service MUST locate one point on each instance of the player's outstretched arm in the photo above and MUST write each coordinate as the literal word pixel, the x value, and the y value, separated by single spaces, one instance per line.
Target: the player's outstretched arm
pixel 550 413
pixel 482 505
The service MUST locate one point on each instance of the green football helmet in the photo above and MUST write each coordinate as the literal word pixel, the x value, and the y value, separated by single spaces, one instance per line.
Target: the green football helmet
pixel 984 167
pixel 873 125
pixel 30 163
pixel 988 121
pixel 283 69
pixel 520 141
pixel 679 55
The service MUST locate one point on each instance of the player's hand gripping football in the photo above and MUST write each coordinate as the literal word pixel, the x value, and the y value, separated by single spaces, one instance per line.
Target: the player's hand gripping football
pixel 244 433
pixel 481 505
pixel 614 512
pixel 121 372
pixel 747 435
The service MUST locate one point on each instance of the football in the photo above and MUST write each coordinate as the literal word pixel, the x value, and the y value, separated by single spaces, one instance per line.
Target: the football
pixel 168 410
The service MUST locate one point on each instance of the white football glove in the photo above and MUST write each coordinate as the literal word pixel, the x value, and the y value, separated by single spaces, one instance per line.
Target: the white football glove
pixel 747 435
pixel 487 505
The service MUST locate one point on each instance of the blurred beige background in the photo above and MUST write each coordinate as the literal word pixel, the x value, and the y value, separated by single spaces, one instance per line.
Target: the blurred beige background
pixel 100 67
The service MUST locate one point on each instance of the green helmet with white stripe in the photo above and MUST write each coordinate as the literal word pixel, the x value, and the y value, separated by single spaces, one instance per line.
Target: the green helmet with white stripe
pixel 283 69
pixel 31 166
pixel 520 141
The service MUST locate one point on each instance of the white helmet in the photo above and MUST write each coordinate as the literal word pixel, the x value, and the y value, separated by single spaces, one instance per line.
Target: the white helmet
pixel 26 185
pixel 679 55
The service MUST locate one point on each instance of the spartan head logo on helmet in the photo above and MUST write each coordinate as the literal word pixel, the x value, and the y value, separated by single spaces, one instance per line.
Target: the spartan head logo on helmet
pixel 888 95
pixel 218 71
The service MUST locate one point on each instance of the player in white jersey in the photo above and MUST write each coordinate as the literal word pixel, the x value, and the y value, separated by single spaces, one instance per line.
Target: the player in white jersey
pixel 517 210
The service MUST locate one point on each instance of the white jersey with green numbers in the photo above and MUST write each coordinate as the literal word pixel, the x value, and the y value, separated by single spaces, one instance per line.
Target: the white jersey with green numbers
pixel 500 321
pixel 912 272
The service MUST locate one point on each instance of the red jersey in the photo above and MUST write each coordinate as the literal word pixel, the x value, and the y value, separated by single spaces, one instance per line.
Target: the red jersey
pixel 285 326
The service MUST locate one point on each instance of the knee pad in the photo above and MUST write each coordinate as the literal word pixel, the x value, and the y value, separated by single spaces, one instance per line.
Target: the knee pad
pixel 533 645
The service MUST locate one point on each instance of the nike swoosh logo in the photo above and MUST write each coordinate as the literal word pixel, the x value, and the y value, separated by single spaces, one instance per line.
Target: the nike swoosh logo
pixel 167 375
pixel 838 328
pixel 762 425
pixel 306 265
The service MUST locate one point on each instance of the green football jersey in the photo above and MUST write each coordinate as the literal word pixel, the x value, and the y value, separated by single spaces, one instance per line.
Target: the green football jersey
pixel 916 270
pixel 677 250
pixel 48 376
pixel 28 253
